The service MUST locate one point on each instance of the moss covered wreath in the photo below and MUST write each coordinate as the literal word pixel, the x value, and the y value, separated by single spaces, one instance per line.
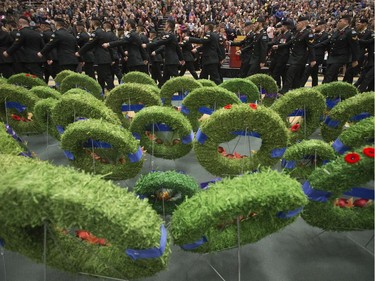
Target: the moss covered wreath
pixel 359 134
pixel 341 177
pixel 3 80
pixel 81 81
pixel 16 109
pixel 205 101
pixel 61 76
pixel 43 114
pixel 44 92
pixel 100 147
pixel 77 104
pixel 301 159
pixel 139 78
pixel 131 97
pixel 171 187
pixel 352 109
pixel 74 207
pixel 264 203
pixel 245 90
pixel 10 143
pixel 336 91
pixel 164 132
pixel 207 83
pixel 244 120
pixel 178 85
pixel 304 103
pixel 267 86
pixel 26 80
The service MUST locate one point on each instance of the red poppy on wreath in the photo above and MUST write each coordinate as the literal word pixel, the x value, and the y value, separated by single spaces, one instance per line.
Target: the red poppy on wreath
pixel 253 105
pixel 352 158
pixel 27 75
pixel 228 106
pixel 295 127
pixel 34 76
pixel 369 152
pixel 16 117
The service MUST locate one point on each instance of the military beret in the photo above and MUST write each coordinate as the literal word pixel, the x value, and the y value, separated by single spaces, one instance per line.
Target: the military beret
pixel 302 18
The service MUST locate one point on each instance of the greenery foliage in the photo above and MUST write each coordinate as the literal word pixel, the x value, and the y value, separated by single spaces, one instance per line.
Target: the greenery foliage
pixel 177 85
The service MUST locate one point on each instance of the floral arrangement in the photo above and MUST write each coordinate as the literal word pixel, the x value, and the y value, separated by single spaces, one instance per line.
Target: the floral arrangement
pixel 177 85
pixel 206 100
pixel 81 81
pixel 168 189
pixel 207 83
pixel 44 92
pixel 43 115
pixel 100 147
pixel 163 132
pixel 26 80
pixel 245 90
pixel 267 86
pixel 11 143
pixel 350 110
pixel 139 78
pixel 69 203
pixel 263 203
pixel 61 76
pixel 336 92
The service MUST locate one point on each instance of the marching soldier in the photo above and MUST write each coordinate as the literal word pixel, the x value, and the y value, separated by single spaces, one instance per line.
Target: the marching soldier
pixel 103 57
pixel 366 80
pixel 13 30
pixel 343 49
pixel 28 43
pixel 88 58
pixel 320 36
pixel 188 56
pixel 116 52
pixel 173 54
pixel 144 39
pixel 65 45
pixel 156 58
pixel 245 49
pixel 6 69
pixel 301 51
pixel 210 53
pixel 53 68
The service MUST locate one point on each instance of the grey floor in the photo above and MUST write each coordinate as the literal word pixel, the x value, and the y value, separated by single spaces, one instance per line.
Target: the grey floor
pixel 297 253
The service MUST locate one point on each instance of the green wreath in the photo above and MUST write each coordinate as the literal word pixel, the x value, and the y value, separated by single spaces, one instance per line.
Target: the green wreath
pixel 301 159
pixel 26 80
pixel 336 91
pixel 131 97
pixel 307 103
pixel 44 92
pixel 10 143
pixel 164 132
pixel 171 187
pixel 267 86
pixel 225 124
pixel 177 85
pixel 81 81
pixel 3 80
pixel 359 134
pixel 16 107
pixel 330 212
pixel 67 201
pixel 245 90
pixel 207 83
pixel 264 202
pixel 77 104
pixel 61 76
pixel 139 78
pixel 102 148
pixel 43 115
pixel 350 110
pixel 206 100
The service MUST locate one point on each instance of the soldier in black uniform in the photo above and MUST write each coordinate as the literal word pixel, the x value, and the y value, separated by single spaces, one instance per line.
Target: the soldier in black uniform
pixel 363 34
pixel 173 54
pixel 13 30
pixel 320 36
pixel 280 52
pixel 6 69
pixel 188 54
pixel 259 47
pixel 65 45
pixel 103 57
pixel 156 58
pixel 245 49
pixel 301 51
pixel 137 56
pixel 88 58
pixel 343 49
pixel 222 53
pixel 144 39
pixel 53 68
pixel 28 42
pixel 210 53
pixel 116 52
pixel 366 80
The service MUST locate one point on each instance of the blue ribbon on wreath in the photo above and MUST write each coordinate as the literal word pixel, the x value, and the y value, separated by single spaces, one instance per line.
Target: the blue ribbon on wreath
pixel 288 164
pixel 15 105
pixel 137 156
pixel 297 112
pixel 278 152
pixel 12 133
pixel 133 107
pixel 136 135
pixel 2 242
pixel 185 110
pixel 339 147
pixel 331 123
pixel 26 154
pixel 204 185
pixel 242 97
pixel 160 127
pixel 152 252
pixel 205 110
pixel 97 144
pixel 201 137
pixel 180 96
pixel 67 153
pixel 289 214
pixel 331 103
pixel 194 245
pixel 246 134
pixel 188 139
pixel 360 117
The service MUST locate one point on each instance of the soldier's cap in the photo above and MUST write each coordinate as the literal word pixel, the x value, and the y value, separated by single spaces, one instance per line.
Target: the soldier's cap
pixel 363 20
pixel 261 19
pixel 346 17
pixel 152 30
pixel 24 18
pixel 320 22
pixel 248 23
pixel 302 18
pixel 287 23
